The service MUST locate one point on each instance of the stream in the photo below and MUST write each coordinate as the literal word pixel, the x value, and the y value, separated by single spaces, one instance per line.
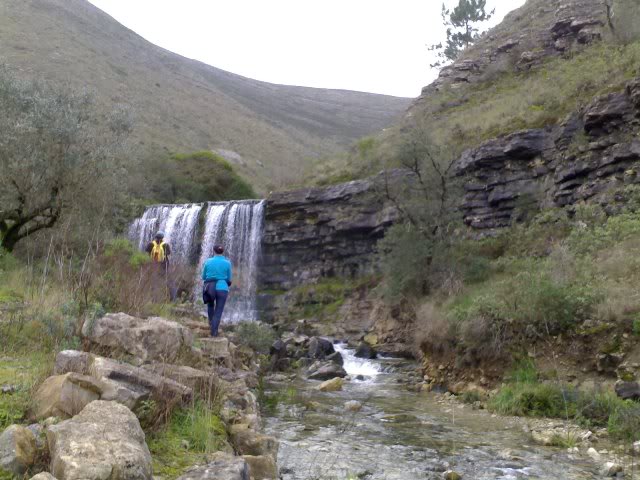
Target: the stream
pixel 400 434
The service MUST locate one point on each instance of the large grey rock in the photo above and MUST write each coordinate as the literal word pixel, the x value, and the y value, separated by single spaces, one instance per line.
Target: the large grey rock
pixel 146 340
pixel 121 382
pixel 365 350
pixel 191 377
pixel 72 361
pixel 609 362
pixel 222 467
pixel 129 385
pixel 17 450
pixel 320 348
pixel 43 476
pixel 262 467
pixel 247 441
pixel 103 442
pixel 64 396
pixel 219 350
pixel 325 371
pixel 628 390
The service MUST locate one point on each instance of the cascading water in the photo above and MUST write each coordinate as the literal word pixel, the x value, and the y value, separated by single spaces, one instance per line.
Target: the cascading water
pixel 237 226
pixel 355 366
pixel 179 224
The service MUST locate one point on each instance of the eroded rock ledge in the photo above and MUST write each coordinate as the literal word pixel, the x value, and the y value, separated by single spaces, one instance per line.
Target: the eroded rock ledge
pixel 324 232
pixel 589 157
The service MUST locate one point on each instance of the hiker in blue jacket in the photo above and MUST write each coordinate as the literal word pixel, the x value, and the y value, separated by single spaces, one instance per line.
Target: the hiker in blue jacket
pixel 217 276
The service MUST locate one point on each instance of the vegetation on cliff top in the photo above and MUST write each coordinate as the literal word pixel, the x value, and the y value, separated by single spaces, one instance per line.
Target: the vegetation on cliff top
pixel 196 177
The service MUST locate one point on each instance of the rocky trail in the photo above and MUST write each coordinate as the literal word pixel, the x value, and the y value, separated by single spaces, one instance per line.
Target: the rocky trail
pixel 330 411
pixel 86 417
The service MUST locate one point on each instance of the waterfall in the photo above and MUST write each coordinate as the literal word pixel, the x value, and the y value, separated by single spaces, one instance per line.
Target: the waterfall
pixel 237 226
pixel 179 224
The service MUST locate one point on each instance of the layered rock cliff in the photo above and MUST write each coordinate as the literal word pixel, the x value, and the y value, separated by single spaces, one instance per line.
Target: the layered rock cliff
pixel 315 233
pixel 588 157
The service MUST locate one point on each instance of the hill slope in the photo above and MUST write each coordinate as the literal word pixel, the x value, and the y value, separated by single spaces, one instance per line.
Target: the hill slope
pixel 185 105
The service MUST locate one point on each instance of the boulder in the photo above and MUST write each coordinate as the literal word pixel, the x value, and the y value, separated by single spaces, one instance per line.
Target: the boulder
pixel 320 348
pixel 611 469
pixel 333 385
pixel 248 442
pixel 336 358
pixel 103 442
pixel 628 390
pixel 43 476
pixel 608 363
pixel 219 350
pixel 326 371
pixel 365 350
pixel 17 450
pixel 261 467
pixel 146 340
pixel 72 361
pixel 371 338
pixel 130 385
pixel 121 382
pixel 64 396
pixel 191 377
pixel 222 467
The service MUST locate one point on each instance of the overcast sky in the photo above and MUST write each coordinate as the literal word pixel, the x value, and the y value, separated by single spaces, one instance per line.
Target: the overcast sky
pixel 369 45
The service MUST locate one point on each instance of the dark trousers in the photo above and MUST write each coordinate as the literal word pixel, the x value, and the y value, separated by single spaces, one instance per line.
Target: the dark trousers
pixel 215 300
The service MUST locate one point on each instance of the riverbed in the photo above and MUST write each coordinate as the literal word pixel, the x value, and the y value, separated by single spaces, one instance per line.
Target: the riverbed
pixel 400 434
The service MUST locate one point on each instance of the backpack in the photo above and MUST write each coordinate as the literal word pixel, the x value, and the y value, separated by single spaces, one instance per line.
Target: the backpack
pixel 157 252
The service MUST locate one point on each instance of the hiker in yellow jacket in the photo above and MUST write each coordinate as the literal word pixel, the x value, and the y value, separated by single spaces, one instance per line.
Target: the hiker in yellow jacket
pixel 160 251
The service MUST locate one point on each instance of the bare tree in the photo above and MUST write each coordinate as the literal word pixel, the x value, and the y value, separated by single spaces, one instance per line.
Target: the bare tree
pixel 414 250
pixel 426 201
pixel 57 153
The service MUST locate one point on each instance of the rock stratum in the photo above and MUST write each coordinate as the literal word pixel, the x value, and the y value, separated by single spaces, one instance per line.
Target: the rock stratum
pixel 587 158
pixel 315 233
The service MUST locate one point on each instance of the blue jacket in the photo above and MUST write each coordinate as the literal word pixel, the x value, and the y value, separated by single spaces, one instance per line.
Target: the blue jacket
pixel 218 268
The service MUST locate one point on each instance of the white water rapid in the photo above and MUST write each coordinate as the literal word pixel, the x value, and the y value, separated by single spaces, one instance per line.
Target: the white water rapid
pixel 355 366
pixel 179 224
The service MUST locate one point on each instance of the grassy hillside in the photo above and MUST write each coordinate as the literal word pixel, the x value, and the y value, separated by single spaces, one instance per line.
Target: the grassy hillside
pixel 184 105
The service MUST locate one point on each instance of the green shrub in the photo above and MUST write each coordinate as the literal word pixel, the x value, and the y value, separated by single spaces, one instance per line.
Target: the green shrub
pixel 534 400
pixel 256 335
pixel 190 434
pixel 195 178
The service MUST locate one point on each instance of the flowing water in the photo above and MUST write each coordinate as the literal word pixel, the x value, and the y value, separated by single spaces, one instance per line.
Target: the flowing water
pixel 236 225
pixel 179 224
pixel 403 435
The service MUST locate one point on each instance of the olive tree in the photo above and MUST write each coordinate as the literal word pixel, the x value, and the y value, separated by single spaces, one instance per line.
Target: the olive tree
pixel 58 154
